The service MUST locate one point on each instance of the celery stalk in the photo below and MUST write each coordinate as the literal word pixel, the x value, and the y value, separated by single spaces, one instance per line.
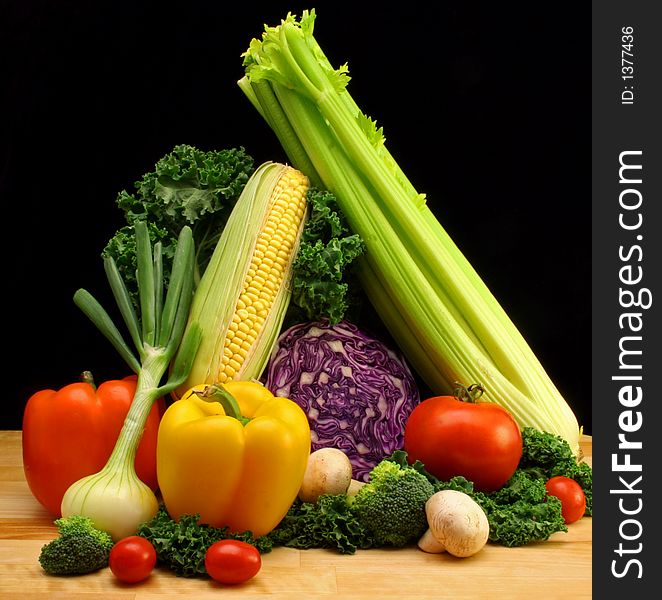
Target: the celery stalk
pixel 441 313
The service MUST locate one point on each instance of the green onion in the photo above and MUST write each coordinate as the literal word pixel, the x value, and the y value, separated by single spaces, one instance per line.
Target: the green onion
pixel 440 312
pixel 115 498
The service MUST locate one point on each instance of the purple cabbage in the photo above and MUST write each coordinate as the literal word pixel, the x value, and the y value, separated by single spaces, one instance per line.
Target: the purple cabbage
pixel 357 392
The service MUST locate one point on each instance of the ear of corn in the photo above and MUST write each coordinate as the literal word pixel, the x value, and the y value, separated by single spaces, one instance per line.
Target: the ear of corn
pixel 244 293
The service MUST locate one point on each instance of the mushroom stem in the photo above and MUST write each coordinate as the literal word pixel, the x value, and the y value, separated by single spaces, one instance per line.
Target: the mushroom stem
pixel 428 543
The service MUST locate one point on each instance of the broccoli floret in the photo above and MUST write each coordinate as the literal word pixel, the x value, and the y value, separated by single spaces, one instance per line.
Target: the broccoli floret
pixel 391 506
pixel 80 548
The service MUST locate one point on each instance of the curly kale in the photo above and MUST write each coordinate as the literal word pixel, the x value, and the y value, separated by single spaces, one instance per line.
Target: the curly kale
pixel 322 276
pixel 328 523
pixel 546 455
pixel 80 548
pixel 181 545
pixel 522 522
pixel 190 187
pixel 521 512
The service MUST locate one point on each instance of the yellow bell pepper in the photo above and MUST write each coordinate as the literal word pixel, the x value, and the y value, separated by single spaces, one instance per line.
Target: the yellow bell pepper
pixel 234 454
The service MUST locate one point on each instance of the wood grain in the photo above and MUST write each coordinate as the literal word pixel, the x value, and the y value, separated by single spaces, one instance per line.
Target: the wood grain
pixel 557 568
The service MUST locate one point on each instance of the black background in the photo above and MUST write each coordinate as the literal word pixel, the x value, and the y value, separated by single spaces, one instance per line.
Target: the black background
pixel 485 106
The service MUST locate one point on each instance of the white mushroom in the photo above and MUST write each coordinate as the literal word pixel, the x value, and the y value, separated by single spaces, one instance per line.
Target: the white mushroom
pixel 329 471
pixel 457 524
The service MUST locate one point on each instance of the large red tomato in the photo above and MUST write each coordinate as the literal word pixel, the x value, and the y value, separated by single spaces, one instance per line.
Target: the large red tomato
pixel 478 440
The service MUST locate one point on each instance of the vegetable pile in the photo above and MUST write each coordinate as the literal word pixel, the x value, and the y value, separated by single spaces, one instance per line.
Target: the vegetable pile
pixel 519 513
pixel 264 408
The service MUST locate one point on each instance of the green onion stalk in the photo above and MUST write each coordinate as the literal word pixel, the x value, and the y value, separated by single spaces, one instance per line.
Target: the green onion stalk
pixel 115 498
pixel 436 306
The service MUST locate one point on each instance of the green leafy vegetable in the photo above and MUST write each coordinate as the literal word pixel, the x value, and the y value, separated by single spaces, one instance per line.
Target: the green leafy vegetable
pixel 190 187
pixel 328 523
pixel 181 545
pixel 547 455
pixel 521 522
pixel 79 548
pixel 321 275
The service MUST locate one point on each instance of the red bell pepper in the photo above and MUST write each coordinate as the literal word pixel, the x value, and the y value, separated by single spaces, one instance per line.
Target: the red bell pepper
pixel 70 433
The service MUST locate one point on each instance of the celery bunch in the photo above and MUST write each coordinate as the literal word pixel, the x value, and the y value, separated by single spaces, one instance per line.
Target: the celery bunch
pixel 440 312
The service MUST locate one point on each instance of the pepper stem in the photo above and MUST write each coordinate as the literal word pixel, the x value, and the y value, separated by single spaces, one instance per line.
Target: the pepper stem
pixel 87 377
pixel 218 393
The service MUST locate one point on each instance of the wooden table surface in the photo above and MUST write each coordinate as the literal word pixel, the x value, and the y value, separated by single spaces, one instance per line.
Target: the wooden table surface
pixel 557 568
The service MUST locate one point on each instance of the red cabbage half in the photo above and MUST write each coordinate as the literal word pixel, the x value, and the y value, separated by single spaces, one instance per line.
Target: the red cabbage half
pixel 357 393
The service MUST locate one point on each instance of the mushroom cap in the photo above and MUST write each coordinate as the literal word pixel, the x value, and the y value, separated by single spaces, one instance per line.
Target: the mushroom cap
pixel 457 522
pixel 329 471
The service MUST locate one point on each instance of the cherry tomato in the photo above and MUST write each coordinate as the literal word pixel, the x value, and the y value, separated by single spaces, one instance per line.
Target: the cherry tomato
pixel 477 440
pixel 571 495
pixel 232 561
pixel 132 559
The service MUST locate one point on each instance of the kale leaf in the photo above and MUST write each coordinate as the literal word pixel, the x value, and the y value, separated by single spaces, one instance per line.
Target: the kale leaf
pixel 328 523
pixel 190 187
pixel 547 455
pixel 322 286
pixel 522 522
pixel 181 545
